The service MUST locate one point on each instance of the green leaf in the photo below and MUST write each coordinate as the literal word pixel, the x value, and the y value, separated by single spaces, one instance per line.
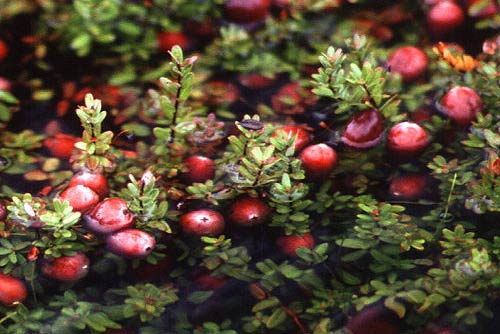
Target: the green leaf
pixel 395 306
pixel 276 318
pixel 199 297
pixel 265 304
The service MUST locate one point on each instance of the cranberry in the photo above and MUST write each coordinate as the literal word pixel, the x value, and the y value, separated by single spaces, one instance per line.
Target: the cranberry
pixel 408 186
pixel 248 211
pixel 364 129
pixel 5 84
pixel 373 319
pixel 407 138
pixel 255 80
pixel 475 8
pixel 67 268
pixel 109 215
pixel 291 99
pixel 95 181
pixel 207 282
pixel 303 136
pixel 410 62
pixel 289 244
pixel 421 115
pixel 219 91
pixel 461 104
pixel 12 290
pixel 168 39
pixel 61 145
pixel 81 198
pixel 200 168
pixel 153 272
pixel 246 11
pixel 318 160
pixel 202 222
pixel 4 50
pixel 444 17
pixel 3 211
pixel 131 243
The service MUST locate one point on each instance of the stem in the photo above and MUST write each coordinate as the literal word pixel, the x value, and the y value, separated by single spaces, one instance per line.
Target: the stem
pixel 370 97
pixel 295 319
pixel 7 317
pixel 176 103
pixel 448 201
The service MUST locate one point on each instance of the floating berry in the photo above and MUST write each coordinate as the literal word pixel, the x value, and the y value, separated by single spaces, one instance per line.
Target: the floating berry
pixel 318 160
pixel 461 104
pixel 303 136
pixel 444 17
pixel 95 181
pixel 249 211
pixel 289 244
pixel 202 222
pixel 364 129
pixel 407 139
pixel 109 215
pixel 67 268
pixel 131 243
pixel 80 197
pixel 200 168
pixel 12 290
pixel 410 62
pixel 246 11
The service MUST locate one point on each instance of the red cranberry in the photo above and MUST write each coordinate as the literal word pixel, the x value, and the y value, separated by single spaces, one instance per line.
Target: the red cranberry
pixel 248 211
pixel 246 11
pixel 421 115
pixel 290 243
pixel 208 282
pixel 409 61
pixel 153 272
pixel 5 84
pixel 254 80
pixel 364 129
pixel 81 198
pixel 168 39
pixel 200 168
pixel 475 8
pixel 12 290
pixel 202 222
pixel 373 319
pixel 109 215
pixel 95 181
pixel 291 99
pixel 407 138
pixel 303 136
pixel 461 104
pixel 219 91
pixel 131 243
pixel 409 186
pixel 67 268
pixel 444 17
pixel 4 50
pixel 61 145
pixel 318 160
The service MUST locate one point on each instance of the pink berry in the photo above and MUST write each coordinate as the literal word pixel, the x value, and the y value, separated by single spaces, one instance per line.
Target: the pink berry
pixel 110 215
pixel 131 243
pixel 81 198
pixel 95 181
pixel 410 62
pixel 461 104
pixel 407 138
pixel 67 268
pixel 318 160
pixel 202 222
pixel 364 129
pixel 444 17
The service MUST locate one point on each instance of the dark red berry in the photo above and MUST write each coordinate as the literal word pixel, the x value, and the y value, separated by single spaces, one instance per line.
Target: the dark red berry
pixel 61 145
pixel 410 62
pixel 255 80
pixel 208 282
pixel 168 39
pixel 407 138
pixel 248 211
pixel 364 129
pixel 4 50
pixel 95 181
pixel 408 186
pixel 131 243
pixel 153 272
pixel 67 268
pixel 81 198
pixel 109 215
pixel 444 17
pixel 303 136
pixel 200 168
pixel 12 290
pixel 202 222
pixel 291 99
pixel 421 115
pixel 461 104
pixel 318 160
pixel 246 11
pixel 289 244
pixel 373 319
